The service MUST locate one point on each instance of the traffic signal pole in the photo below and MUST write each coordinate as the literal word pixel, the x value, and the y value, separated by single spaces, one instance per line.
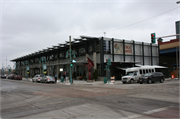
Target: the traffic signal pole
pixel 70 71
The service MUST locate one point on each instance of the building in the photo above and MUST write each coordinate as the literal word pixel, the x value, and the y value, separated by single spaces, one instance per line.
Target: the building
pixel 122 53
pixel 169 56
pixel 177 29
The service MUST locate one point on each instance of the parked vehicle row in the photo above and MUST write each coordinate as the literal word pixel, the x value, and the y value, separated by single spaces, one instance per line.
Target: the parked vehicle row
pixel 36 78
pixel 43 78
pixel 14 76
pixel 143 74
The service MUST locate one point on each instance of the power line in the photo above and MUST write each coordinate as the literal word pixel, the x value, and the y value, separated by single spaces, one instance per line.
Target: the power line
pixel 135 22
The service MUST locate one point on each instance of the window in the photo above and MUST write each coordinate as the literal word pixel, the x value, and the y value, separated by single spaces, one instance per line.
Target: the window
pixel 144 71
pixel 140 71
pixel 149 70
pixel 152 70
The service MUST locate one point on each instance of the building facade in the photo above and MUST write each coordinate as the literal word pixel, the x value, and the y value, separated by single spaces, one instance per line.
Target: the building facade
pixel 122 53
pixel 169 56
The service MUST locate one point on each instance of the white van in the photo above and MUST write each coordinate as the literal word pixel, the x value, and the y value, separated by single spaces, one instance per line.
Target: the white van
pixel 133 74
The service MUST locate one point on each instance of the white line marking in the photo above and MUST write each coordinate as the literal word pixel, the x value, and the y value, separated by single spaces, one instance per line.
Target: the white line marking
pixel 148 112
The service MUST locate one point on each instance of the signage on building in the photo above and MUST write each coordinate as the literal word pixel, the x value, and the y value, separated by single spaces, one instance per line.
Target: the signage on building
pixel 128 49
pixel 118 48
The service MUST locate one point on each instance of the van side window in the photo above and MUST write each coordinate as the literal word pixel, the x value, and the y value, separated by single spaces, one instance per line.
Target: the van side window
pixel 144 72
pixel 152 70
pixel 140 71
pixel 149 70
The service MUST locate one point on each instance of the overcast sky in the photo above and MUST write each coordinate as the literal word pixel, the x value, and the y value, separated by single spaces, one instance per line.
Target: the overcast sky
pixel 31 25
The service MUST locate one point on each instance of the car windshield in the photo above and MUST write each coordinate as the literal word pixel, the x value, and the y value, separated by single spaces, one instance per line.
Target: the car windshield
pixel 148 74
pixel 129 73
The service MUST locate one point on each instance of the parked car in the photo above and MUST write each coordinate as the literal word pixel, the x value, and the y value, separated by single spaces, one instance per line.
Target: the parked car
pixel 11 76
pixel 3 76
pixel 48 79
pixel 152 77
pixel 38 77
pixel 18 77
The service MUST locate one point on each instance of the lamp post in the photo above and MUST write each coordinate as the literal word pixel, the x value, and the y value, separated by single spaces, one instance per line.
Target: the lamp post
pixel 26 63
pixel 43 60
pixel 9 69
pixel 69 53
pixel 108 69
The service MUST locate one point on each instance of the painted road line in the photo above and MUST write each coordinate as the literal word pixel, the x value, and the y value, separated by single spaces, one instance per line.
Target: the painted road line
pixel 148 112
pixel 156 110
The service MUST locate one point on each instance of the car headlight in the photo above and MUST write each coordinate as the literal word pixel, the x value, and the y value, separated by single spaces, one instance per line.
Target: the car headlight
pixel 146 78
pixel 129 78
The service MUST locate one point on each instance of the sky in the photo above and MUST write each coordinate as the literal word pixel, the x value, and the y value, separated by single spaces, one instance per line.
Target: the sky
pixel 28 26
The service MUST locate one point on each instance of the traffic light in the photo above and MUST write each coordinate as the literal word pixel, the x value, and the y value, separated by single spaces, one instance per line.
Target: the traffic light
pixel 153 38
pixel 71 63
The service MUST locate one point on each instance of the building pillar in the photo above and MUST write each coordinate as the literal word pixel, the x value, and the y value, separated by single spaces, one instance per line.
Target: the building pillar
pixel 48 68
pixel 57 69
pixel 94 59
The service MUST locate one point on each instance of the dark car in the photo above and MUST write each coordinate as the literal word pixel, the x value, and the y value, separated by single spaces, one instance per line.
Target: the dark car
pixel 18 77
pixel 151 78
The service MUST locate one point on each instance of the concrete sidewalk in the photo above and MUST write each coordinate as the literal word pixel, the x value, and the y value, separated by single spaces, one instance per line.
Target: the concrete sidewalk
pixel 80 82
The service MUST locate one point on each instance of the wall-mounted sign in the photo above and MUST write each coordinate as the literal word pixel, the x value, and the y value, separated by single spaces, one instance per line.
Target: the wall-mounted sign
pixel 118 48
pixel 128 49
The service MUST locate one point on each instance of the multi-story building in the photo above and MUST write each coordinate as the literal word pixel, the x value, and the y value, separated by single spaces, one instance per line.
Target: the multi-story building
pixel 122 53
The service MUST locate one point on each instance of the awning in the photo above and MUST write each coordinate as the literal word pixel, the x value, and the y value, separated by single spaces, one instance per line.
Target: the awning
pixel 121 68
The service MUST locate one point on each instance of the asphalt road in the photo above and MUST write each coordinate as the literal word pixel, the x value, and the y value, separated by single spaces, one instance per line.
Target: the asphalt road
pixel 27 100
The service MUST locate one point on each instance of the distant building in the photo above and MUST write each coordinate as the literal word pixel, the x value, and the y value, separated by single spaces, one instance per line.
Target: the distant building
pixel 122 53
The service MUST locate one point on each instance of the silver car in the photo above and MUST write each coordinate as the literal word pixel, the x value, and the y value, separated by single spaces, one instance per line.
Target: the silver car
pixel 38 78
pixel 48 79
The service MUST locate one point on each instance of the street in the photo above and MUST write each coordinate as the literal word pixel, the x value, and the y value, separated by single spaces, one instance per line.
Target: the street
pixel 27 100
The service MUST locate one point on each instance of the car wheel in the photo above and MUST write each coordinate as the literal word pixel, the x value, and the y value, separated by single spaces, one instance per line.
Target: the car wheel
pixel 141 82
pixel 124 82
pixel 162 80
pixel 149 81
pixel 131 81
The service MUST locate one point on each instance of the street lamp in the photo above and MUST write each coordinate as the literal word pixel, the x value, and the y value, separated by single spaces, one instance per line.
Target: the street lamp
pixel 69 53
pixel 43 60
pixel 26 63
